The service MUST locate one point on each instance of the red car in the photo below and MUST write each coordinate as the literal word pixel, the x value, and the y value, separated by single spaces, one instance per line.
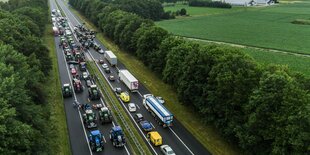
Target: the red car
pixel 73 71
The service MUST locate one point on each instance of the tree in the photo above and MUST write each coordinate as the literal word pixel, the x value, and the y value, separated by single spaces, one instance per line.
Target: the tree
pixel 277 116
pixel 183 12
pixel 148 44
pixel 230 83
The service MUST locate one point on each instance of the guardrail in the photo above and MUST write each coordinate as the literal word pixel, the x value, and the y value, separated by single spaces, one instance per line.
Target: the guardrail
pixel 117 110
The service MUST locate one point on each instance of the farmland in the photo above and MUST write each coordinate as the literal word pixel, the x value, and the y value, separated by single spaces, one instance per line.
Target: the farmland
pixel 296 63
pixel 267 27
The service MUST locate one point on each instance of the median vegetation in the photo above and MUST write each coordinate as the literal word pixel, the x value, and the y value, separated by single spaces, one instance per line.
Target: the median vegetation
pixel 27 125
pixel 263 109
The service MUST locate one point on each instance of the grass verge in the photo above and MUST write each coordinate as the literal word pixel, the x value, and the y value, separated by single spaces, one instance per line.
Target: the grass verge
pixel 55 100
pixel 108 92
pixel 205 134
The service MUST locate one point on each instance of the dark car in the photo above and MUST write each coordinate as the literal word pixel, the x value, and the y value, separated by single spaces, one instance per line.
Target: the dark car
pixel 111 78
pixel 107 70
pixel 146 125
pixel 101 61
pixel 118 90
pixel 138 117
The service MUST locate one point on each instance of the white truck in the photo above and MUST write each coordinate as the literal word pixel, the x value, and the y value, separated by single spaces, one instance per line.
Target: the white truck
pixel 130 81
pixel 158 110
pixel 109 55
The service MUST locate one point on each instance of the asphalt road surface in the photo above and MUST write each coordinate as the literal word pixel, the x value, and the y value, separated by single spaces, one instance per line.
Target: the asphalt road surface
pixel 77 132
pixel 180 140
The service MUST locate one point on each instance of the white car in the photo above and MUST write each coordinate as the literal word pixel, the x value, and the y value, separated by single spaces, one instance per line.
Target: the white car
pixel 101 51
pixel 104 66
pixel 132 107
pixel 166 150
pixel 85 75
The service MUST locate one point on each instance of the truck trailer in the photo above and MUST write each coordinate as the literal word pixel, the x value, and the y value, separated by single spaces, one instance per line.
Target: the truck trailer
pixel 158 110
pixel 130 81
pixel 109 55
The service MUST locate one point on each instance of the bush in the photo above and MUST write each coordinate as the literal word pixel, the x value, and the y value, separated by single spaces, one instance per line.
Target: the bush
pixel 183 12
pixel 212 4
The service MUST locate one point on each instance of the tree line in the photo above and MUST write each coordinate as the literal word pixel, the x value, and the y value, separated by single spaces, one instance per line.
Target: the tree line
pixel 263 109
pixel 24 67
pixel 211 4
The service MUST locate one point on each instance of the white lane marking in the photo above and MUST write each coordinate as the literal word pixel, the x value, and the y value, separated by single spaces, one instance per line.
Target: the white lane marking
pixel 137 106
pixel 67 68
pixel 139 93
pixel 152 125
pixel 181 141
pixel 104 139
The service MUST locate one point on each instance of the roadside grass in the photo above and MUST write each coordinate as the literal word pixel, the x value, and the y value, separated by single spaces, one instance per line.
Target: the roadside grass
pixel 58 118
pixel 208 136
pixel 267 27
pixel 265 57
pixel 94 71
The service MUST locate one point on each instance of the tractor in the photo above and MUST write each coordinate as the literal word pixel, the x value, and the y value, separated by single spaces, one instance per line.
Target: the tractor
pixel 78 57
pixel 89 118
pixel 96 141
pixel 117 136
pixel 77 85
pixel 66 90
pixel 105 115
pixel 93 93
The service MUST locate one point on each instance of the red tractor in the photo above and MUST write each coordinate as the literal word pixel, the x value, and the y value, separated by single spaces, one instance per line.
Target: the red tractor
pixel 77 85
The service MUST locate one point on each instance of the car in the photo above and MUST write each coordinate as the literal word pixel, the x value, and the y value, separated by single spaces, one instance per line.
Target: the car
pixel 132 107
pixel 101 61
pixel 112 78
pixel 160 99
pixel 138 117
pixel 118 90
pixel 85 75
pixel 101 51
pixel 88 83
pixel 146 125
pixel 104 66
pixel 125 97
pixel 166 150
pixel 73 71
pixel 71 66
pixel 107 70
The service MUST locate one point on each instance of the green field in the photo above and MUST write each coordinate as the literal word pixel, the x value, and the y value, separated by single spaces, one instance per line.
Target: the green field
pixel 294 62
pixel 268 27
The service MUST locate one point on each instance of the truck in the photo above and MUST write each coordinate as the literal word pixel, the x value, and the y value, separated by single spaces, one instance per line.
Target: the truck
pixel 55 31
pixel 130 81
pixel 162 115
pixel 109 55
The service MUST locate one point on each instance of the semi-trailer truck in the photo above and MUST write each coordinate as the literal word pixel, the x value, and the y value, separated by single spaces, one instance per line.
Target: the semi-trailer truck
pixel 130 81
pixel 109 55
pixel 158 110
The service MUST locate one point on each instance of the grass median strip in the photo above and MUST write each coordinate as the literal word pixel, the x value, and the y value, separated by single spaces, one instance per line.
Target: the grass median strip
pixel 205 134
pixel 108 92
pixel 58 117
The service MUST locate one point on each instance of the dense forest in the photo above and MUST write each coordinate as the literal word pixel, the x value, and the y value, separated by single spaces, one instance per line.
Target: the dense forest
pixel 25 64
pixel 263 109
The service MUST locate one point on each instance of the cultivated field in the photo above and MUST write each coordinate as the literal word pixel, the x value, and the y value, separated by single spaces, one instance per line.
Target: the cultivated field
pixel 268 27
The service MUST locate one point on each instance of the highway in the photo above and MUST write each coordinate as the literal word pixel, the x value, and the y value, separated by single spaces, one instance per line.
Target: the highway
pixel 180 140
pixel 77 132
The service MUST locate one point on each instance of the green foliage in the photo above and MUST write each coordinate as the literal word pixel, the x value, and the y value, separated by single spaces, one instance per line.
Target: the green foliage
pixel 24 63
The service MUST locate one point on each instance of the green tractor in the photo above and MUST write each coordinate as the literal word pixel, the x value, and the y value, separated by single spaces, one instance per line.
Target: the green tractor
pixel 67 90
pixel 105 115
pixel 89 118
pixel 93 93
